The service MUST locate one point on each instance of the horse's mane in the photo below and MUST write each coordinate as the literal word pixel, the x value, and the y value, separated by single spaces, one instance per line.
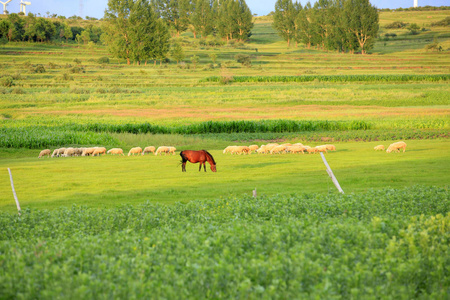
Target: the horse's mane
pixel 212 158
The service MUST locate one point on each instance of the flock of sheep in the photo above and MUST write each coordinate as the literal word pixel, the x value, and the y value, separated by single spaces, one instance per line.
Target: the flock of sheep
pixel 97 151
pixel 275 148
pixel 272 148
pixel 392 147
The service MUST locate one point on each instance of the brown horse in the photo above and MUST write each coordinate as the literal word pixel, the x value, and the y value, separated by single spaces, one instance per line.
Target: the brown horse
pixel 201 156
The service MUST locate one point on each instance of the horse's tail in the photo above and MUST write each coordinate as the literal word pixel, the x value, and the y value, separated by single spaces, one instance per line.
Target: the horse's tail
pixel 183 157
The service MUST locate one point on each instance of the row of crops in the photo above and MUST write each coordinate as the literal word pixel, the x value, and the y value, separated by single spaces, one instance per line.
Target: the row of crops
pixel 45 137
pixel 390 243
pixel 332 78
pixel 230 127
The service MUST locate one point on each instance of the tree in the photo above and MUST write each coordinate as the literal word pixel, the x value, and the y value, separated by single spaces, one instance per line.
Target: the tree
pixel 244 19
pixel 360 19
pixel 174 12
pixel 233 20
pixel 414 28
pixel 84 37
pixel 283 19
pixel 202 18
pixel 133 30
pixel 304 26
pixel 177 52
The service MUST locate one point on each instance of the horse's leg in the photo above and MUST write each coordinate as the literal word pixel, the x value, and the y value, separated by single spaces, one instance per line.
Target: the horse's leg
pixel 183 167
pixel 204 166
pixel 200 167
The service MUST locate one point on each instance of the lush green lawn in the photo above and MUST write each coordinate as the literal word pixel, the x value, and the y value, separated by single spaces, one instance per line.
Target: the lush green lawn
pixel 112 180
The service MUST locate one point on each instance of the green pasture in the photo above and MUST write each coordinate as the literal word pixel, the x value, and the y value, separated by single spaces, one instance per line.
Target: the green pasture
pixel 77 90
pixel 109 181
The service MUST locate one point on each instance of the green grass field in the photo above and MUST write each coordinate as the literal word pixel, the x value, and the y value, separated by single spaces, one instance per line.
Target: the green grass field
pixel 137 227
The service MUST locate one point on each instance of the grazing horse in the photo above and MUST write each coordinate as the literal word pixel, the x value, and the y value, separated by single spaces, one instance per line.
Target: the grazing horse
pixel 201 156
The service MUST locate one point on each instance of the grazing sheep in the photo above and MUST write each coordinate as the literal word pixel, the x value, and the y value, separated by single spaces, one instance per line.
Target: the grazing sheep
pixel 78 151
pixel 135 150
pixel 69 152
pixel 253 148
pixel 379 148
pixel 55 153
pixel 162 149
pixel 172 150
pixel 44 152
pixel 312 150
pixel 240 149
pixel 98 151
pixel 287 144
pixel 228 149
pixel 296 149
pixel 114 151
pixel 321 148
pixel 61 152
pixel 88 151
pixel 261 149
pixel 269 147
pixel 330 147
pixel 297 144
pixel 149 149
pixel 278 149
pixel 396 147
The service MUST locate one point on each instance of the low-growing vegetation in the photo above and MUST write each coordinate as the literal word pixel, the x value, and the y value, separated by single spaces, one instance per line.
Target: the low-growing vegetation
pixel 384 243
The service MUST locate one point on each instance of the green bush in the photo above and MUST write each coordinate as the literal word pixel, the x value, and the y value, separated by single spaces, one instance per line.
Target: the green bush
pixel 7 81
pixel 103 60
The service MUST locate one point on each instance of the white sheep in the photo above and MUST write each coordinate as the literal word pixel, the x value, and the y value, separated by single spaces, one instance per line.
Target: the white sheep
pixel 379 148
pixel 69 152
pixel 61 152
pixel 135 150
pixel 171 150
pixel 396 147
pixel 162 149
pixel 253 148
pixel 278 149
pixel 114 151
pixel 55 153
pixel 44 152
pixel 88 151
pixel 330 147
pixel 149 149
pixel 98 151
pixel 240 149
pixel 322 148
pixel 296 149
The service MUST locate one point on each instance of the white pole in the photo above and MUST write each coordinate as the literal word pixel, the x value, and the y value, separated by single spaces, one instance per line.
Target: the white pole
pixel 330 173
pixel 14 191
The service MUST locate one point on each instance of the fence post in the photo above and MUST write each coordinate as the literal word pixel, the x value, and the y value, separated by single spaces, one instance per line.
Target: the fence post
pixel 14 191
pixel 330 173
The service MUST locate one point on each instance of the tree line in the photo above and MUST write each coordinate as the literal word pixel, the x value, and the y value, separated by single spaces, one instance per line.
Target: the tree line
pixel 340 25
pixel 16 28
pixel 140 30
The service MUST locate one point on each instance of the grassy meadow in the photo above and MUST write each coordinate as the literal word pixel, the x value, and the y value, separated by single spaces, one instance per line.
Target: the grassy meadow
pixel 78 97
pixel 135 227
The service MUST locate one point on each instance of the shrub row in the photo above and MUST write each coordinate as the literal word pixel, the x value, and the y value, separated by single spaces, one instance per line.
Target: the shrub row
pixel 228 127
pixel 42 137
pixel 332 78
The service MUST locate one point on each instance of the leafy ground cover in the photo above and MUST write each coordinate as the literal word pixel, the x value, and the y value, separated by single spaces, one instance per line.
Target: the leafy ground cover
pixel 382 243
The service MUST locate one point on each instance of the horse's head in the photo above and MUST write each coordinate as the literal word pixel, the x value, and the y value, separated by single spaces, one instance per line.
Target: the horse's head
pixel 213 168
